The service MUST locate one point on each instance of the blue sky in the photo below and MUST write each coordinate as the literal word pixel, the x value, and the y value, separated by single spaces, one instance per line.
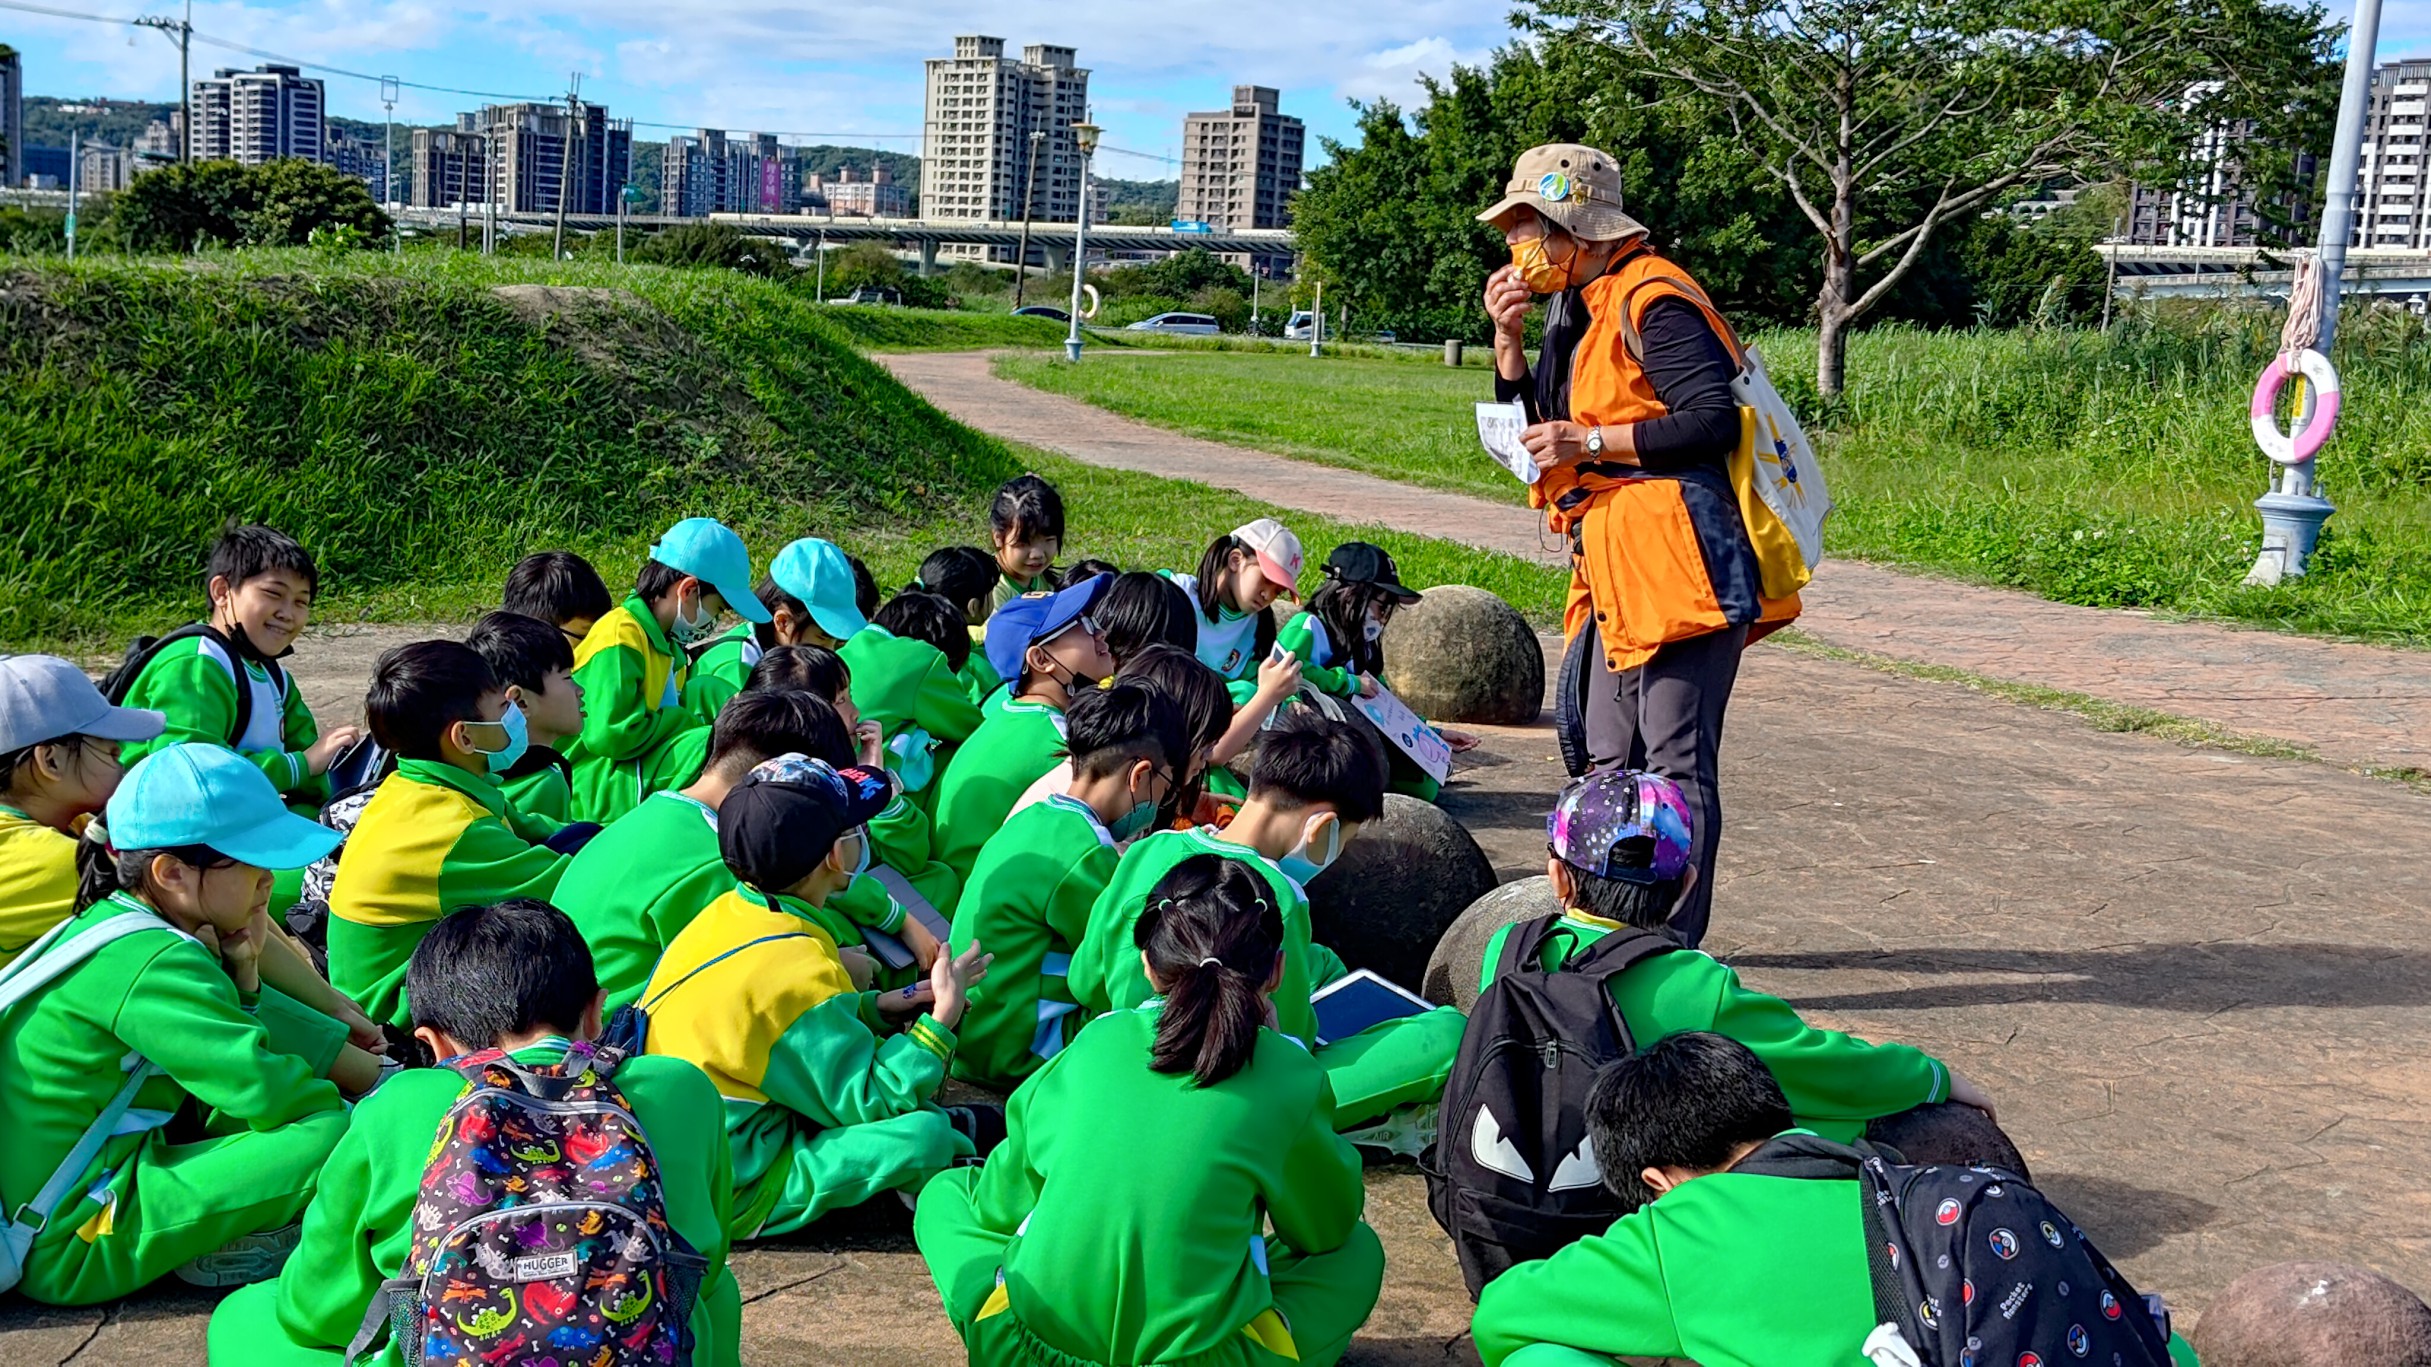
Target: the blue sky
pixel 848 72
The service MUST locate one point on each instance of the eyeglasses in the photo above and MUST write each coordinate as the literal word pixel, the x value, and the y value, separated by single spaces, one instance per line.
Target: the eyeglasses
pixel 1083 623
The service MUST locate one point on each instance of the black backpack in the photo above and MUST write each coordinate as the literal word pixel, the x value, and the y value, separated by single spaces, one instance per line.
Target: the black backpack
pixel 1976 1268
pixel 1511 1175
pixel 119 682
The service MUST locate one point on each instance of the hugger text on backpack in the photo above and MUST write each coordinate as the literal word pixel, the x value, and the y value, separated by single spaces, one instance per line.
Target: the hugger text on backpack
pixel 1512 1176
pixel 1973 1267
pixel 541 1232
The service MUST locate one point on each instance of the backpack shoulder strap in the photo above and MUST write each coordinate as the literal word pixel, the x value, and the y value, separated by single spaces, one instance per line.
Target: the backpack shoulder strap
pixel 1635 342
pixel 57 951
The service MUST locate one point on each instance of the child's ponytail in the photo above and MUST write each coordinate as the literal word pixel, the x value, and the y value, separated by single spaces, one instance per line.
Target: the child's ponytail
pixel 1211 932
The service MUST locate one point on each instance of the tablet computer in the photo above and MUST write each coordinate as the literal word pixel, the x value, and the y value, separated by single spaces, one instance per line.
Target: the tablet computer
pixel 1360 999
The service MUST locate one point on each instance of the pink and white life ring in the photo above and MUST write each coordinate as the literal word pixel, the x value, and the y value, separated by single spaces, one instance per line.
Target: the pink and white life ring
pixel 2295 447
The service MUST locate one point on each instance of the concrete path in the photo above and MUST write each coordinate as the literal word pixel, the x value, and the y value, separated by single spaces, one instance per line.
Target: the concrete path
pixel 2357 706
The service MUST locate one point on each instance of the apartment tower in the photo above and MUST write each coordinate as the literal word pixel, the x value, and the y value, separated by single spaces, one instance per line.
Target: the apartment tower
pixel 976 161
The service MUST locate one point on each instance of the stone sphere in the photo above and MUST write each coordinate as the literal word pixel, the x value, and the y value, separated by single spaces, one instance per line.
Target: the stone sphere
pixel 1451 977
pixel 1388 898
pixel 1949 1133
pixel 2314 1315
pixel 1463 655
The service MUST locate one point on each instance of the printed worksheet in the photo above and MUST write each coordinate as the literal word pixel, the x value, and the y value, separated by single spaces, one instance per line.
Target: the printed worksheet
pixel 1498 429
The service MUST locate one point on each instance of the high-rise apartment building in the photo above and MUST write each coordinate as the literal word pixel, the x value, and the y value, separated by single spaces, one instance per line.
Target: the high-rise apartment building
pixel 712 172
pixel 1241 166
pixel 100 170
pixel 2215 206
pixel 447 165
pixel 875 195
pixel 161 137
pixel 530 158
pixel 261 115
pixel 976 158
pixel 364 159
pixel 12 116
pixel 2392 199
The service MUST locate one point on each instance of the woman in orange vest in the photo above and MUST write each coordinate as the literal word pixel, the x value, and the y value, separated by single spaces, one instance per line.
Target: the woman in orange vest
pixel 1632 421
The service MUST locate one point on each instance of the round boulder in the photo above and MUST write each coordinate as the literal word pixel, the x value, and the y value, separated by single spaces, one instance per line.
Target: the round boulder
pixel 1388 898
pixel 1460 956
pixel 2314 1315
pixel 1951 1133
pixel 1463 655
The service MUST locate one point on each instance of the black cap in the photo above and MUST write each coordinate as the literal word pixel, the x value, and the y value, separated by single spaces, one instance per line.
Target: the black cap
pixel 1357 562
pixel 778 823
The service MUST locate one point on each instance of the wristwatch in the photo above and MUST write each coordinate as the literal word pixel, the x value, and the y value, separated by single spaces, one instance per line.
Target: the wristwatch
pixel 1595 443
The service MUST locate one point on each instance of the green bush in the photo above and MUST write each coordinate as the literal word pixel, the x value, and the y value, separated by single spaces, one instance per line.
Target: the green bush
pixel 222 204
pixel 419 428
pixel 719 245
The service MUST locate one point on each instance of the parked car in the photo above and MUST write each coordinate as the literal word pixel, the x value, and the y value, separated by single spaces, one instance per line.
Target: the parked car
pixel 1179 324
pixel 1043 311
pixel 1297 329
pixel 871 294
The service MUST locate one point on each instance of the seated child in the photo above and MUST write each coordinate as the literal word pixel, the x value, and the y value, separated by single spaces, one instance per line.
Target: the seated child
pixel 1125 1217
pixel 906 678
pixel 1049 647
pixel 59 762
pixel 213 1192
pixel 1621 856
pixel 516 977
pixel 1241 574
pixel 809 598
pixel 561 589
pixel 437 834
pixel 533 660
pixel 1315 783
pixel 1717 1263
pixel 261 585
pixel 821 1111
pixel 631 667
pixel 1144 609
pixel 644 877
pixel 1339 641
pixel 1176 675
pixel 966 576
pixel 1036 879
pixel 1026 527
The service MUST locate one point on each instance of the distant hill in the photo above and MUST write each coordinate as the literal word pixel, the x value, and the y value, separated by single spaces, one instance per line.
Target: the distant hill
pixel 1141 201
pixel 51 121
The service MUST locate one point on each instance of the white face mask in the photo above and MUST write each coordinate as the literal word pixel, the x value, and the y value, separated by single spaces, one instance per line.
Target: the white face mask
pixel 1373 630
pixel 1306 860
pixel 688 630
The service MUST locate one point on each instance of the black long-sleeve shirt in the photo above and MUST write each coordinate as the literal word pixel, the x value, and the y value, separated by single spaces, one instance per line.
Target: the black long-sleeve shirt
pixel 1684 360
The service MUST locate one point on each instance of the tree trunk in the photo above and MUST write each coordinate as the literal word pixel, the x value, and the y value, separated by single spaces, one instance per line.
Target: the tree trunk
pixel 1831 351
pixel 1835 307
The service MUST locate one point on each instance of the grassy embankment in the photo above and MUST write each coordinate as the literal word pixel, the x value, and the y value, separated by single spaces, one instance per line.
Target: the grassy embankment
pixel 2114 471
pixel 421 426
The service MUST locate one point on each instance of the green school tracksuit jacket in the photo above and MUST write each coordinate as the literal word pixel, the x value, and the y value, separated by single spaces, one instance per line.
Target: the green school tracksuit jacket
pixel 822 1110
pixel 979 678
pixel 193 683
pixel 359 1225
pixel 541 788
pixel 1835 1082
pixel 1008 588
pixel 632 706
pixel 1384 1066
pixel 639 882
pixel 1134 1216
pixel 720 671
pixel 1028 904
pixel 145 1205
pixel 898 681
pixel 1017 742
pixel 433 839
pixel 1307 641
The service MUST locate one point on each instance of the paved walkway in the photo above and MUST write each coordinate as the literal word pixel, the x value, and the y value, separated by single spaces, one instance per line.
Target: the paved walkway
pixel 2357 706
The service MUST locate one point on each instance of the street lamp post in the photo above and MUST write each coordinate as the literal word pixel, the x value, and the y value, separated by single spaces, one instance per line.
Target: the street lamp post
pixel 1085 134
pixel 1029 190
pixel 388 155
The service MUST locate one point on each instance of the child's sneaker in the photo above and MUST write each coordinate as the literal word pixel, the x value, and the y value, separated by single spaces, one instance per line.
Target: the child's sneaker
pixel 253 1258
pixel 1405 1130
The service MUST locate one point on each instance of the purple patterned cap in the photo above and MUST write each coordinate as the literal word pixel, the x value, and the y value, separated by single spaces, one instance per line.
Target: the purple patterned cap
pixel 1622 824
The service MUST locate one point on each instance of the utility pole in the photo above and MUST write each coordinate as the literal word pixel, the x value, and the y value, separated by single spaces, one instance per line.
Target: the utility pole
pixel 820 287
pixel 75 166
pixel 2110 274
pixel 1029 187
pixel 489 180
pixel 388 155
pixel 180 32
pixel 565 163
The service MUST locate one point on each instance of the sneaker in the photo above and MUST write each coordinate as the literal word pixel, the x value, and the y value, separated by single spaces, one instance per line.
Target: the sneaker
pixel 1404 1131
pixel 253 1258
pixel 979 1122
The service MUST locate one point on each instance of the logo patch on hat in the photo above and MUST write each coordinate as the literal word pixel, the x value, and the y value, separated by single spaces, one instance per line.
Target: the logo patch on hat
pixel 1553 187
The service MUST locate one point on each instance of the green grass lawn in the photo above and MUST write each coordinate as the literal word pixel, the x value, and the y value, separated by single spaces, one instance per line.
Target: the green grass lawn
pixel 2112 471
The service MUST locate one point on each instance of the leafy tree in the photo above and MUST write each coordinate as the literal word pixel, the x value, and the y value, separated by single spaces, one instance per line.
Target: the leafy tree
pixel 713 245
pixel 220 203
pixel 1889 121
pixel 870 263
pixel 1178 276
pixel 293 197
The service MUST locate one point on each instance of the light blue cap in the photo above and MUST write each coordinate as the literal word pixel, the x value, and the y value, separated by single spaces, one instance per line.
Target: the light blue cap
pixel 709 551
pixel 821 575
pixel 196 794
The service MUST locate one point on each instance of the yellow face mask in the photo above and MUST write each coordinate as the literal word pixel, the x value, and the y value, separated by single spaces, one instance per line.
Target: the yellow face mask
pixel 1538 271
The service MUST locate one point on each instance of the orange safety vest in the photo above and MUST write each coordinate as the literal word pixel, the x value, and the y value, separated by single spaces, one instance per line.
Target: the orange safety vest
pixel 1655 558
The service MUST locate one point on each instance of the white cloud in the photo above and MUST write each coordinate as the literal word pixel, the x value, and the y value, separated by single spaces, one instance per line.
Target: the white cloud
pixel 1393 72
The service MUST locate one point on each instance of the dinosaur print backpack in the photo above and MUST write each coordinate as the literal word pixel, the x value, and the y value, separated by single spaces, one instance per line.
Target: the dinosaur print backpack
pixel 541 1234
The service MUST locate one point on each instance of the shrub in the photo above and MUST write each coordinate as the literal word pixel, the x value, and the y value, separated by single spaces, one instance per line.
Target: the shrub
pixel 222 204
pixel 713 245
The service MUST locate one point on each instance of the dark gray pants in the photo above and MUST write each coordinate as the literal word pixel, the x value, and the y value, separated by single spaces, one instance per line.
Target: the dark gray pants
pixel 1665 716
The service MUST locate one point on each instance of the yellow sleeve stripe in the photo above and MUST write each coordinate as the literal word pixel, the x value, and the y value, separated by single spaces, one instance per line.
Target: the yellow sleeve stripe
pixel 929 1035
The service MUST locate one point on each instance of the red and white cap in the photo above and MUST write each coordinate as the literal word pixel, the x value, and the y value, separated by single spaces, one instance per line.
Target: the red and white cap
pixel 1278 551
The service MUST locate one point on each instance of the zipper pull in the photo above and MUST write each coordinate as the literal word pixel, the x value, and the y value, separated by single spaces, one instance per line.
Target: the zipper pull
pixel 1553 1056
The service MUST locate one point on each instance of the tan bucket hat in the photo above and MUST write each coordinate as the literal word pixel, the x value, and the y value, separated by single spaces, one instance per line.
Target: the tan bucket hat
pixel 1574 186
